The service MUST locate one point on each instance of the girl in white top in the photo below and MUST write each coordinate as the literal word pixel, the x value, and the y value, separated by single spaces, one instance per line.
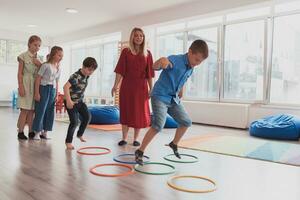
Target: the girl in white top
pixel 46 85
pixel 29 63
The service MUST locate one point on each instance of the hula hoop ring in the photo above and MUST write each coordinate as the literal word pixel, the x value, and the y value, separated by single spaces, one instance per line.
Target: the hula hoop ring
pixel 129 172
pixel 181 161
pixel 174 186
pixel 117 158
pixel 171 171
pixel 93 154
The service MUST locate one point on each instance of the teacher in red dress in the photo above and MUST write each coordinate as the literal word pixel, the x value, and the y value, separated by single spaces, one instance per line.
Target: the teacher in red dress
pixel 134 72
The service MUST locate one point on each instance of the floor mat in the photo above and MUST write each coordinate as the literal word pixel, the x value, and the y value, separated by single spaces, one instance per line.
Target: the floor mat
pixel 246 147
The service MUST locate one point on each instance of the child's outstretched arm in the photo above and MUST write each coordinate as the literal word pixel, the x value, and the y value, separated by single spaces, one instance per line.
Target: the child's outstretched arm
pixel 37 83
pixel 20 78
pixel 69 101
pixel 162 63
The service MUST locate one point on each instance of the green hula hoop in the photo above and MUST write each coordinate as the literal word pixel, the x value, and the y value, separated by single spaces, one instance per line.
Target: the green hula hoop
pixel 181 161
pixel 172 168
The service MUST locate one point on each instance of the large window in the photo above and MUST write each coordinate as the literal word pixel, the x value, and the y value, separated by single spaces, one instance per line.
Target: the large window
pixel 285 79
pixel 170 44
pixel 43 52
pixel 10 50
pixel 2 51
pixel 77 56
pixel 254 53
pixel 243 61
pixel 93 87
pixel 106 55
pixel 14 49
pixel 203 84
pixel 110 56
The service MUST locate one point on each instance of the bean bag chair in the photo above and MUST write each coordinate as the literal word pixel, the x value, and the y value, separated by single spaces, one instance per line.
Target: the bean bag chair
pixel 104 114
pixel 282 127
pixel 170 122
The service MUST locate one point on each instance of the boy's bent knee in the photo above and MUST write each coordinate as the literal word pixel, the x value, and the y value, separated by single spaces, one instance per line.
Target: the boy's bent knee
pixel 186 123
pixel 156 128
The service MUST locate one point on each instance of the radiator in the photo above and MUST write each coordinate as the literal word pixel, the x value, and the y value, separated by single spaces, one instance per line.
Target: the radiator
pixel 220 114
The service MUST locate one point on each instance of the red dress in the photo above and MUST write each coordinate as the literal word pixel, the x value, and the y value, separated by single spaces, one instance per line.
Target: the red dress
pixel 134 94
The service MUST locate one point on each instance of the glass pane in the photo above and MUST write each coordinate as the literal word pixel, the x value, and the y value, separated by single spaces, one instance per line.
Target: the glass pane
pixel 14 49
pixel 43 52
pixel 77 58
pixel 204 81
pixel 205 21
pixel 110 56
pixel 170 44
pixel 285 81
pixel 93 88
pixel 248 14
pixel 243 61
pixel 2 51
pixel 171 27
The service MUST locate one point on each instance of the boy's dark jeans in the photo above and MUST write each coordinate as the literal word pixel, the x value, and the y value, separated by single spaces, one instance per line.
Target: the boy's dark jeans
pixel 79 110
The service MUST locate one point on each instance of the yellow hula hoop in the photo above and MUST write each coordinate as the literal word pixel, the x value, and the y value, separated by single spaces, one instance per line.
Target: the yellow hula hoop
pixel 172 185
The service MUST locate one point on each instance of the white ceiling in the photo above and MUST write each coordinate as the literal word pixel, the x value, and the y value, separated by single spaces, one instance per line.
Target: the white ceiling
pixel 52 20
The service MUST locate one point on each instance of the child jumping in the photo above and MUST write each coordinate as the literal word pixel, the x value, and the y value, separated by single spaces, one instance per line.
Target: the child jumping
pixel 167 91
pixel 74 93
pixel 46 86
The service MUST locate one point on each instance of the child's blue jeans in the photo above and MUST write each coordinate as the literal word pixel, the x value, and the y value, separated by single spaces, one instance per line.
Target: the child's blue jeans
pixel 44 109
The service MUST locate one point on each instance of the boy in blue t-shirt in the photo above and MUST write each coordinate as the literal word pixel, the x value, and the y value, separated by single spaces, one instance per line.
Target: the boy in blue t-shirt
pixel 167 91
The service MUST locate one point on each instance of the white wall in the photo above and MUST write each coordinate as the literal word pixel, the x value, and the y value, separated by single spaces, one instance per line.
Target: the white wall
pixel 8 82
pixel 233 115
pixel 259 111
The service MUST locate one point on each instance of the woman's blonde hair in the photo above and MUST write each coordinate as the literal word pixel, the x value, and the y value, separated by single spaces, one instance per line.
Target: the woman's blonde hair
pixel 143 49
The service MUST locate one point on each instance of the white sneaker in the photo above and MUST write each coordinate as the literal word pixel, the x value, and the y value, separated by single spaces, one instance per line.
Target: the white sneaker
pixel 44 136
pixel 37 136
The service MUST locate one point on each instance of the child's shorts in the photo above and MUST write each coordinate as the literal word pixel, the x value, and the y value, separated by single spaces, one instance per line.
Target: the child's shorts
pixel 160 110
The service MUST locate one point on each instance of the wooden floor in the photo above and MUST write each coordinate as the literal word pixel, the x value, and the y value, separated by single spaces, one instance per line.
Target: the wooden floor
pixel 45 170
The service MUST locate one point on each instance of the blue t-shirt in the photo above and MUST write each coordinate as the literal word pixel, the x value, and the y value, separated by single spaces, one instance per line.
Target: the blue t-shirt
pixel 171 80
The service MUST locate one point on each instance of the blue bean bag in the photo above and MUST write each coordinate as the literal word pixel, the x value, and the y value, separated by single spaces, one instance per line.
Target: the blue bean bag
pixel 104 114
pixel 283 127
pixel 170 122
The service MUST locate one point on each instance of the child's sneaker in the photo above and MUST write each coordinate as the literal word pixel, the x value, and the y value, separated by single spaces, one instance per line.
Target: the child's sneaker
pixel 21 136
pixel 44 136
pixel 37 136
pixel 139 157
pixel 31 135
pixel 122 143
pixel 136 143
pixel 175 150
pixel 69 146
